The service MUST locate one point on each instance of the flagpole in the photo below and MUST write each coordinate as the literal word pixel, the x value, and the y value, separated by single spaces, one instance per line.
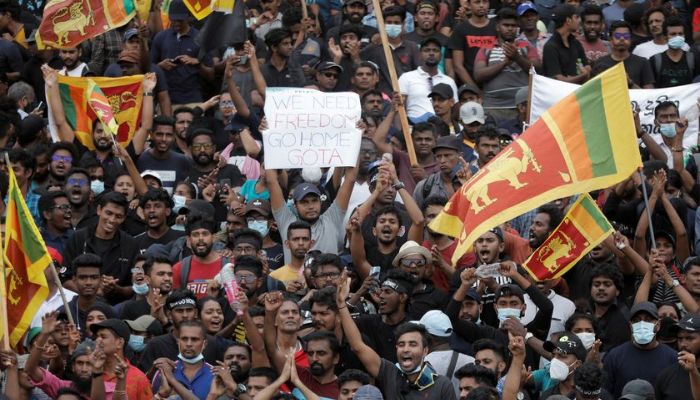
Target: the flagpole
pixel 388 54
pixel 529 94
pixel 57 280
pixel 3 303
pixel 646 204
pixel 116 144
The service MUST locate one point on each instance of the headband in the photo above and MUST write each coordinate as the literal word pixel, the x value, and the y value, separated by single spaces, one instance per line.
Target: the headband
pixel 182 302
pixel 395 286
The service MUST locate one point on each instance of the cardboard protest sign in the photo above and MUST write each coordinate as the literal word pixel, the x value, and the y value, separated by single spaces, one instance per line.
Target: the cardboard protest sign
pixel 546 92
pixel 308 128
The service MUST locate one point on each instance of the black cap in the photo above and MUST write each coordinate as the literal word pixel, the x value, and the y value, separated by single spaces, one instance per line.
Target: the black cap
pixel 690 323
pixel 119 327
pixel 448 142
pixel 468 87
pixel 430 39
pixel 498 232
pixel 510 290
pixel 328 65
pixel 645 306
pixel 568 343
pixel 348 2
pixel 473 294
pixel 178 12
pixel 443 90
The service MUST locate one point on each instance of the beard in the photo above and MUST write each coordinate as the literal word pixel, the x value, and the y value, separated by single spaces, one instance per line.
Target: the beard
pixel 202 253
pixel 317 369
pixel 104 147
pixel 204 159
pixel 237 374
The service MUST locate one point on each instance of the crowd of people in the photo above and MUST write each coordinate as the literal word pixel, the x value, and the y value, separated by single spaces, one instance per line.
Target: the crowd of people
pixel 343 290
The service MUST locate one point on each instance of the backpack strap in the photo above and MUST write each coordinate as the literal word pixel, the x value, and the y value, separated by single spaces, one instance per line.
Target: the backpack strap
pixel 453 364
pixel 428 186
pixel 657 66
pixel 185 266
pixel 690 59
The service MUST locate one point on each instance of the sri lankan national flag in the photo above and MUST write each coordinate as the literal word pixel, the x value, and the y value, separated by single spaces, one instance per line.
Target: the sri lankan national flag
pixel 99 104
pixel 81 97
pixel 583 228
pixel 585 142
pixel 67 23
pixel 25 259
pixel 200 8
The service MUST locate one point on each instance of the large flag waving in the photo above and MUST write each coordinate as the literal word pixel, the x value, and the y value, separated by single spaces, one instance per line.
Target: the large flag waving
pixel 585 142
pixel 25 259
pixel 67 23
pixel 82 96
pixel 223 29
pixel 583 228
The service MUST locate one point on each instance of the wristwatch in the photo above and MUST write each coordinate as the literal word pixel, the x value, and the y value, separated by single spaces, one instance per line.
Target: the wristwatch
pixel 398 185
pixel 675 283
pixel 528 336
pixel 148 94
pixel 240 389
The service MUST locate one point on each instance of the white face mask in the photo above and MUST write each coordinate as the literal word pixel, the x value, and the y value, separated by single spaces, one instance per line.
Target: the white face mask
pixel 587 338
pixel 558 370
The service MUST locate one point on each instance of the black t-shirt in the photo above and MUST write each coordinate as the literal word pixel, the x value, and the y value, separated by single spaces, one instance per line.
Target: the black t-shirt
pixel 166 346
pixel 637 68
pixel 673 73
pixel 377 258
pixel 145 241
pixel 430 298
pixel 673 383
pixel 558 59
pixel 380 336
pixel 469 39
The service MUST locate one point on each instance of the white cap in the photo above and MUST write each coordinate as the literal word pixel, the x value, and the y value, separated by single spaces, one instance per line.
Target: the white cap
pixel 437 323
pixel 150 172
pixel 471 111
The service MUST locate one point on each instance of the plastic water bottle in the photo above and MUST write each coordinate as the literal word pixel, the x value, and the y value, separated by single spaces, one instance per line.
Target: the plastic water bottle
pixel 228 279
pixel 489 270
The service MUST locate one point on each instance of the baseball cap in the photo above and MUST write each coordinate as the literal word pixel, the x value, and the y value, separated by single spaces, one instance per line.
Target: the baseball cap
pixel 510 290
pixel 348 2
pixel 142 323
pixel 468 87
pixel 521 95
pixel 436 323
pixel 131 56
pixel 473 294
pixel 368 392
pixel 84 348
pixel 525 7
pixel 129 33
pixel 638 389
pixel 498 232
pixel 153 174
pixel 31 335
pixel 178 11
pixel 304 189
pixel 645 306
pixel 470 112
pixel 328 65
pixel 690 323
pixel 119 327
pixel 259 205
pixel 448 142
pixel 443 90
pixel 568 343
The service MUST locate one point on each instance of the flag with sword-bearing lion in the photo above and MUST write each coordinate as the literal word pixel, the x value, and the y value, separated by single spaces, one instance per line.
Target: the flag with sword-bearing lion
pixel 585 142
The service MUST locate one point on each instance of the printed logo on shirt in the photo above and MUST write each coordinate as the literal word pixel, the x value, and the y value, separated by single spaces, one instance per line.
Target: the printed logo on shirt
pixel 198 286
pixel 482 42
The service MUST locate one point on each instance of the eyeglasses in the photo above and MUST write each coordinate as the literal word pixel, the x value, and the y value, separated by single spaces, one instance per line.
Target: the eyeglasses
pixel 226 104
pixel 65 159
pixel 259 219
pixel 136 270
pixel 62 207
pixel 407 262
pixel 330 75
pixel 205 146
pixel 246 278
pixel 328 275
pixel 620 35
pixel 77 182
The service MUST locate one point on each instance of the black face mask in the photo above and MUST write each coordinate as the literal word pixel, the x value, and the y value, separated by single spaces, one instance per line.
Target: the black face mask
pixel 317 369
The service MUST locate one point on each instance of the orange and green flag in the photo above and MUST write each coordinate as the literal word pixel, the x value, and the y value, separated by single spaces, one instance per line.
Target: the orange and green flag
pixel 100 106
pixel 583 228
pixel 67 23
pixel 80 100
pixel 25 258
pixel 585 142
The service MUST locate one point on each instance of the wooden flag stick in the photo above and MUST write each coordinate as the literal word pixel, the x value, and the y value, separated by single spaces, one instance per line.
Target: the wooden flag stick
pixel 57 280
pixel 3 303
pixel 403 118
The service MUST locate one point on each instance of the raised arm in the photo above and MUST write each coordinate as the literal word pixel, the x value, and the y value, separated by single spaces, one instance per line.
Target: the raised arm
pixel 682 248
pixel 658 182
pixel 48 325
pixel 511 387
pixel 414 212
pixel 357 247
pixel 258 77
pixel 53 96
pixel 273 301
pixel 255 339
pixel 342 199
pixel 238 101
pixel 369 358
pixel 382 131
pixel 273 186
pixel 139 139
pixel 139 184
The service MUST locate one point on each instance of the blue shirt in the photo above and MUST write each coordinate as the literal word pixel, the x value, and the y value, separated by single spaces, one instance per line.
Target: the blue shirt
pixel 183 80
pixel 57 242
pixel 199 385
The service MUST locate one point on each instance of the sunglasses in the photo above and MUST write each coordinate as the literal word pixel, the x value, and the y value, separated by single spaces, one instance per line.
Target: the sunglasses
pixel 330 75
pixel 197 147
pixel 65 159
pixel 619 35
pixel 407 262
pixel 246 278
pixel 77 182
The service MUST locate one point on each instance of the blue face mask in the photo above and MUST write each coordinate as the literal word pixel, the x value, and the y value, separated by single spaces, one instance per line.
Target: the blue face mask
pixel 193 360
pixel 668 129
pixel 140 288
pixel 392 30
pixel 676 42
pixel 137 343
pixel 178 203
pixel 259 226
pixel 643 332
pixel 97 186
pixel 504 313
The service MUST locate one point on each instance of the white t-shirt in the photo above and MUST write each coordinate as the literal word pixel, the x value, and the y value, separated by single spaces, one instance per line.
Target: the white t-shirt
pixel 51 304
pixel 440 360
pixel 648 49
